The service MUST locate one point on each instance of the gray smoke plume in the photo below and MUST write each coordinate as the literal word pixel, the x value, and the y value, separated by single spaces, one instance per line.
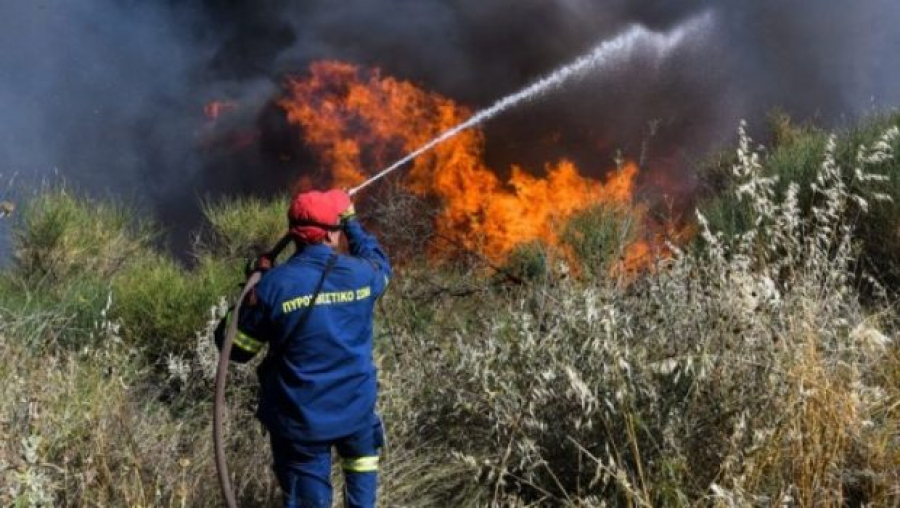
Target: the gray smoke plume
pixel 110 94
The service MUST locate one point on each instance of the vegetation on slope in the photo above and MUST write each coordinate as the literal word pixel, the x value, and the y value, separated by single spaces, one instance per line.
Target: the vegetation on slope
pixel 746 369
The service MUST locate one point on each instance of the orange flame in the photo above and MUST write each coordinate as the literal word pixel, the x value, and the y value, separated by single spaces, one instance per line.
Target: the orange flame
pixel 359 121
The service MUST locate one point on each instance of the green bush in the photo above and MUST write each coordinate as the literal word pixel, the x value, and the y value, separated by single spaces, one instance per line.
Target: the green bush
pixel 162 305
pixel 527 262
pixel 67 250
pixel 243 227
pixel 59 236
pixel 48 318
pixel 80 258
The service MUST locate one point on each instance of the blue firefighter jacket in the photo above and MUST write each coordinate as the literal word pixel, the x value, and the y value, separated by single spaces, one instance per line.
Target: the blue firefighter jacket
pixel 323 386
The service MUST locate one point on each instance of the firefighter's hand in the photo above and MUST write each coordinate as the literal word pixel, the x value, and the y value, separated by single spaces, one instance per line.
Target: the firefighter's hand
pixel 349 212
pixel 260 264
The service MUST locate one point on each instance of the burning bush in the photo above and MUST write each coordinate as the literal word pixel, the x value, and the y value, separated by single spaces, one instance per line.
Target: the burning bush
pixel 357 121
pixel 599 237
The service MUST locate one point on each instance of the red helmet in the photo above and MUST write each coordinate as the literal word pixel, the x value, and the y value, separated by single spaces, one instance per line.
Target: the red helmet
pixel 314 213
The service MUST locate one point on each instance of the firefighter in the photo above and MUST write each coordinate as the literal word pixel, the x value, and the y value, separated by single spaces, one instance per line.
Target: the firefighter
pixel 318 380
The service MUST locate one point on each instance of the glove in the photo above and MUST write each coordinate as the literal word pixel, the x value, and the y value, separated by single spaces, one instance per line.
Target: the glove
pixel 348 214
pixel 262 264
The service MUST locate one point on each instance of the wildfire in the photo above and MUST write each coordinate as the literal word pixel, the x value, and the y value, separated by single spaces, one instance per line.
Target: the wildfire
pixel 358 121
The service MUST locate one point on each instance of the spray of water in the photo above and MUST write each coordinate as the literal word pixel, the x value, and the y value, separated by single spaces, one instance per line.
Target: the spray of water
pixel 602 56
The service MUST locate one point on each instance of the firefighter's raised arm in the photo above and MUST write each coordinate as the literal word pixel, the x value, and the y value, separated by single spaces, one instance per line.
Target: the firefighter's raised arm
pixel 363 244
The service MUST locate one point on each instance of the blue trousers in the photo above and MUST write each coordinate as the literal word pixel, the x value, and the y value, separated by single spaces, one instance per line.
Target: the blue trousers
pixel 304 469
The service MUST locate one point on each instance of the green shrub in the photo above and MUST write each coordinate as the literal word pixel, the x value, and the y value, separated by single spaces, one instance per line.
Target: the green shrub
pixel 59 236
pixel 527 262
pixel 243 227
pixel 161 305
pixel 68 251
pixel 46 319
pixel 77 258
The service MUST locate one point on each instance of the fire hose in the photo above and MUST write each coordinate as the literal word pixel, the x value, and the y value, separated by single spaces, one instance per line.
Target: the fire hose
pixel 222 374
pixel 225 355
